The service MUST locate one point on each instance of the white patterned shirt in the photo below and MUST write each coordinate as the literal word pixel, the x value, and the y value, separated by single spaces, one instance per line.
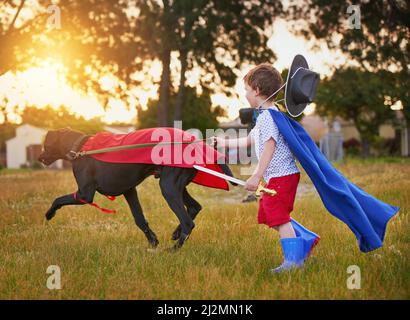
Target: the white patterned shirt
pixel 283 161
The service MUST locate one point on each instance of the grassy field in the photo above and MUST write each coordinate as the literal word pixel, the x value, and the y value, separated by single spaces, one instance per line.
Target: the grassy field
pixel 228 256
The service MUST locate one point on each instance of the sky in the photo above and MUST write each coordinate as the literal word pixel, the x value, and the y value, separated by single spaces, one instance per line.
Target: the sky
pixel 46 84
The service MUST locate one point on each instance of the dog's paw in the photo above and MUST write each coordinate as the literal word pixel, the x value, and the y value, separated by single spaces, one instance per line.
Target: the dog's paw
pixel 181 240
pixel 173 249
pixel 154 243
pixel 152 238
pixel 50 214
pixel 176 234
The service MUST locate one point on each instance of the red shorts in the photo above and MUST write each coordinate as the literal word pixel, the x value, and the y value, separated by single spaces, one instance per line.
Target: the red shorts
pixel 275 210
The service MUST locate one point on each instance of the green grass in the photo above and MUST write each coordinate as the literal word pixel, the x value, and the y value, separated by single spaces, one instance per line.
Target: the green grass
pixel 228 255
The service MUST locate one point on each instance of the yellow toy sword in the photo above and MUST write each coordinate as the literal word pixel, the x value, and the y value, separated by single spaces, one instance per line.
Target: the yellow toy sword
pixel 261 187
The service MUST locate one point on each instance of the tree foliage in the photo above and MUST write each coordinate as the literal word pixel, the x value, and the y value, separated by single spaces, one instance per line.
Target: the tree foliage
pixel 198 112
pixel 381 43
pixel 49 118
pixel 382 39
pixel 359 96
pixel 96 38
pixel 116 37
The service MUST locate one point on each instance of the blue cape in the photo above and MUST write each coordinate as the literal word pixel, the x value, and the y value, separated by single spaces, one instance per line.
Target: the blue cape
pixel 364 214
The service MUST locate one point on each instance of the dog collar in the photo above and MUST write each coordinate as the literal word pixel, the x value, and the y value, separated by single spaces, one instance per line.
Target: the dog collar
pixel 74 152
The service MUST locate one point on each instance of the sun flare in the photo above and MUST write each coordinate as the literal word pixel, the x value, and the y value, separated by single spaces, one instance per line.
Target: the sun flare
pixel 47 85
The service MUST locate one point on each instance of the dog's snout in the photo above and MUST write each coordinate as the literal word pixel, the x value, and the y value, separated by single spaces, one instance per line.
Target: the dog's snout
pixel 41 157
pixel 45 158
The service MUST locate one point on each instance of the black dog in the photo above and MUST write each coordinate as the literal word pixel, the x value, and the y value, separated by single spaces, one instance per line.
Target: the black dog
pixel 114 179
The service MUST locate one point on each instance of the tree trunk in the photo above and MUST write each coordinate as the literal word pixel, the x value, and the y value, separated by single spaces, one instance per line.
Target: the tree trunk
pixel 164 89
pixel 365 137
pixel 365 148
pixel 182 89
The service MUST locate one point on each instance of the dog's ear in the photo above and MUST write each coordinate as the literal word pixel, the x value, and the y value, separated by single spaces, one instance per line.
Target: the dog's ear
pixel 51 138
pixel 55 139
pixel 52 150
pixel 65 139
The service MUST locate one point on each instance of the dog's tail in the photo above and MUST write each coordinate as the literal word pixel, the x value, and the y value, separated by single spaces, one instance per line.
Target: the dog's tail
pixel 226 170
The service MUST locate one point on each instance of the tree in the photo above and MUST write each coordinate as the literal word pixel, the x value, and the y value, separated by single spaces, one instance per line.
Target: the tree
pixel 49 118
pixel 215 36
pixel 358 96
pixel 381 42
pixel 116 37
pixel 96 38
pixel 7 131
pixel 198 112
pixel 11 36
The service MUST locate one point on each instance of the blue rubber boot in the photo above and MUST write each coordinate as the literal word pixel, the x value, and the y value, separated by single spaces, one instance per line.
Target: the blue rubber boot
pixel 293 251
pixel 310 238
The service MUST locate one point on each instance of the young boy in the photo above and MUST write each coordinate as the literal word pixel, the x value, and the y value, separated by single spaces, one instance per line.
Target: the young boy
pixel 276 163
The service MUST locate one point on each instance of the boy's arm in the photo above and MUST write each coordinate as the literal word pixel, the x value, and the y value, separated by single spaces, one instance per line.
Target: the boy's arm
pixel 264 160
pixel 233 143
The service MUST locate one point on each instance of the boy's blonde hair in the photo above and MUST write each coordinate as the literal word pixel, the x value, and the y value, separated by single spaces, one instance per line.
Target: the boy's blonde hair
pixel 266 78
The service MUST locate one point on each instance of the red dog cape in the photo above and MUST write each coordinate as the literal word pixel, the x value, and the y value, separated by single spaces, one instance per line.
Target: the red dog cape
pixel 175 155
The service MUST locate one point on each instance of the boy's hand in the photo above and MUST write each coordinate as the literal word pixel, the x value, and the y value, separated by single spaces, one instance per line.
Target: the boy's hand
pixel 252 183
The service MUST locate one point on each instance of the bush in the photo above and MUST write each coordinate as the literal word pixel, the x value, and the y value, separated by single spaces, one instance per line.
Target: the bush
pixel 31 165
pixel 388 147
pixel 352 147
pixel 35 165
